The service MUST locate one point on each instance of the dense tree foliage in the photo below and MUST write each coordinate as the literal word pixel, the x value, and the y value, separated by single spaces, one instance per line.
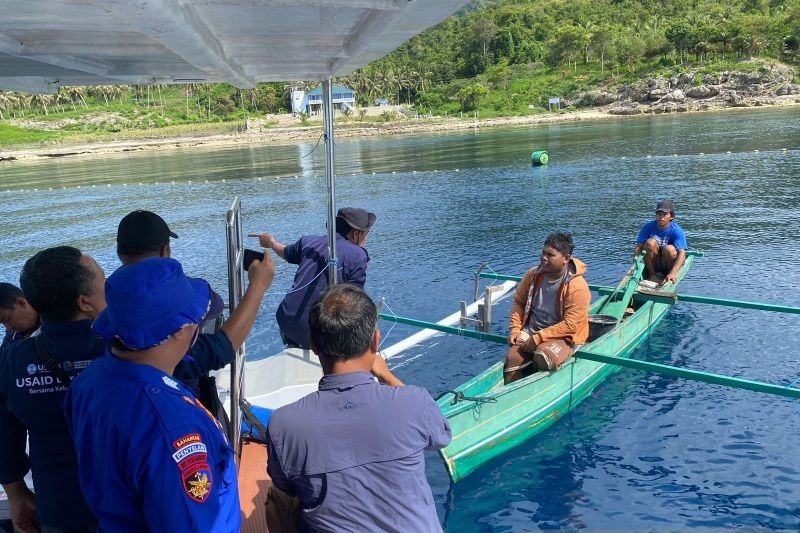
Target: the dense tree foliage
pixel 501 57
pixel 496 42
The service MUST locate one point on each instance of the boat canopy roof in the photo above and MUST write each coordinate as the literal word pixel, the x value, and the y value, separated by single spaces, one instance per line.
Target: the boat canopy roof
pixel 48 43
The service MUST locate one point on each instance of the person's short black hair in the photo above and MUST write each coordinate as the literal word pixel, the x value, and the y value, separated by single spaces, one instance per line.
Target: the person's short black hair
pixel 9 294
pixel 560 241
pixel 132 254
pixel 343 322
pixel 52 281
pixel 342 227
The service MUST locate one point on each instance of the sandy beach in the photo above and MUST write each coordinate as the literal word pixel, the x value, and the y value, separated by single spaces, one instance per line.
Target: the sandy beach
pixel 287 130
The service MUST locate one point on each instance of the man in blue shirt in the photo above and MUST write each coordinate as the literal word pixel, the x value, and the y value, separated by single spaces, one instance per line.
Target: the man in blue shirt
pixel 664 244
pixel 150 457
pixel 16 314
pixel 353 452
pixel 311 279
pixel 66 287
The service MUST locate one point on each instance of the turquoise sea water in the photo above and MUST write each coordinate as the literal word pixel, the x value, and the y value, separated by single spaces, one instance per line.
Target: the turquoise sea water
pixel 645 452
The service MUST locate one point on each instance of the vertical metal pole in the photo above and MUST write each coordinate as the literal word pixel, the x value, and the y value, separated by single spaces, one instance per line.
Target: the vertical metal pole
pixel 235 247
pixel 327 109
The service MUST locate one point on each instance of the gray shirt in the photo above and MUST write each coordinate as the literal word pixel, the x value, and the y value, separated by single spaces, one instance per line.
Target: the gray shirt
pixel 353 454
pixel 544 312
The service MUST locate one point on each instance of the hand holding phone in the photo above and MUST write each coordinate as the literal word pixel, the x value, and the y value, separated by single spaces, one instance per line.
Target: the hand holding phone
pixel 250 256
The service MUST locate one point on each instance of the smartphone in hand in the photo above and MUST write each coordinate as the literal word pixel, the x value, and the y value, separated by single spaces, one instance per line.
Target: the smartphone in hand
pixel 250 256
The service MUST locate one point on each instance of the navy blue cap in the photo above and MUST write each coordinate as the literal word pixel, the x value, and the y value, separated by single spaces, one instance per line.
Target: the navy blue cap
pixel 150 300
pixel 667 206
pixel 141 228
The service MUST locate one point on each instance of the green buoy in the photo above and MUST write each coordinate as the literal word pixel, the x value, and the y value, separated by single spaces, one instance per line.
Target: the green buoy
pixel 539 157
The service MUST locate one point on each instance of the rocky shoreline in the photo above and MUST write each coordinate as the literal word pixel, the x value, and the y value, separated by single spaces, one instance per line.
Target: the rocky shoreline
pixel 691 91
pixel 771 85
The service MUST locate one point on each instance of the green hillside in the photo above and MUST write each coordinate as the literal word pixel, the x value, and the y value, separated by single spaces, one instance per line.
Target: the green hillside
pixel 494 58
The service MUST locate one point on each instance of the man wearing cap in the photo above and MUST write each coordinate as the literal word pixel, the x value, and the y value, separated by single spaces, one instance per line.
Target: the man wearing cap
pixel 353 452
pixel 143 234
pixel 16 314
pixel 664 244
pixel 150 456
pixel 66 288
pixel 311 280
pixel 310 253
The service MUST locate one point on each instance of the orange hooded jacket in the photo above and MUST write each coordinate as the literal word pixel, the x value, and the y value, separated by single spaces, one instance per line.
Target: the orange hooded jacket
pixel 574 298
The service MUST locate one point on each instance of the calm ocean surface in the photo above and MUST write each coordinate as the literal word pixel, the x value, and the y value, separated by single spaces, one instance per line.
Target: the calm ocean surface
pixel 644 452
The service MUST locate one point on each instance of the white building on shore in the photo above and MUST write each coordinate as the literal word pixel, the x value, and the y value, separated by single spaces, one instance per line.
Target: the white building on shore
pixel 311 102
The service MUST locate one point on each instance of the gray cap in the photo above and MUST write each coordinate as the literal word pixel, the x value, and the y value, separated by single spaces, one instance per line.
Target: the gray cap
pixel 357 218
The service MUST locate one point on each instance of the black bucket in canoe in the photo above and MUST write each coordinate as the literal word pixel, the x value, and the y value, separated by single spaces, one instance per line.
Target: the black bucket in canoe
pixel 599 325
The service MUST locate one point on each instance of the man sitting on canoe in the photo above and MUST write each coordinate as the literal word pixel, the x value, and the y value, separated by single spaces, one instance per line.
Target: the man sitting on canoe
pixel 550 311
pixel 664 244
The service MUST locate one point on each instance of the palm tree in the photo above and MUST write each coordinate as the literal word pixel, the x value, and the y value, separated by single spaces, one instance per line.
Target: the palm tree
pixel 75 93
pixel 5 104
pixel 61 98
pixel 42 100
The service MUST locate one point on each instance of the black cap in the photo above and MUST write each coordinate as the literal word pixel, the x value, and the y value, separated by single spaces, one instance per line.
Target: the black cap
pixel 357 218
pixel 666 205
pixel 143 228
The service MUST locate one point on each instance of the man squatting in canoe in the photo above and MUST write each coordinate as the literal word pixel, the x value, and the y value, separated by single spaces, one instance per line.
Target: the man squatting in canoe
pixel 549 313
pixel 353 452
pixel 664 244
pixel 310 253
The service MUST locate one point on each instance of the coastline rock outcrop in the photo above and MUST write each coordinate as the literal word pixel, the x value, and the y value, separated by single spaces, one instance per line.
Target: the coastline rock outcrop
pixel 770 84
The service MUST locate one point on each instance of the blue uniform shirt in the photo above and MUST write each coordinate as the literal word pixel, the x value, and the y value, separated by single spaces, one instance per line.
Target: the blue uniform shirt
pixel 311 280
pixel 31 400
pixel 353 453
pixel 212 351
pixel 673 235
pixel 150 456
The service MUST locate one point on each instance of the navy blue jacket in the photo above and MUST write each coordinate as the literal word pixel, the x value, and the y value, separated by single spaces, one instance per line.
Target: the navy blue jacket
pixel 151 458
pixel 31 401
pixel 12 336
pixel 311 280
pixel 212 351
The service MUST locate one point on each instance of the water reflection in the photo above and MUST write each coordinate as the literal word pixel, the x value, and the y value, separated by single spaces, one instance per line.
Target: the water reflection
pixel 643 451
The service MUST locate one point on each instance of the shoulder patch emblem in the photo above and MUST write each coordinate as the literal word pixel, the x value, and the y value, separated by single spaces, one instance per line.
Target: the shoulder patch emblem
pixel 197 483
pixel 186 439
pixel 189 449
pixel 169 382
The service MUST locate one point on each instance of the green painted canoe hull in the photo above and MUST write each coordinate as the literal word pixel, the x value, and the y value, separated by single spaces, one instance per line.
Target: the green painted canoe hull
pixel 483 430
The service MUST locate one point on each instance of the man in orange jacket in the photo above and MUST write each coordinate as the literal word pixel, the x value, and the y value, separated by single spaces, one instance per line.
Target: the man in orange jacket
pixel 550 312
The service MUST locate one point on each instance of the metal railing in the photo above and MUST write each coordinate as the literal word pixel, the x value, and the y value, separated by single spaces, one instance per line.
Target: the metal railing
pixel 235 245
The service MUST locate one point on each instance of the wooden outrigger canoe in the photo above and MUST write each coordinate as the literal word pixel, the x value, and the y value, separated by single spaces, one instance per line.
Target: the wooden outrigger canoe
pixel 488 419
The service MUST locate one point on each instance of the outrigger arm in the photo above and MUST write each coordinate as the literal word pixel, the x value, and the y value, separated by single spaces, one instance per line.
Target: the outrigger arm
pixel 685 373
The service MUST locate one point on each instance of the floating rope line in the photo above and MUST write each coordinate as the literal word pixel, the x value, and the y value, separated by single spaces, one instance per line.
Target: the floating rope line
pixel 459 396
